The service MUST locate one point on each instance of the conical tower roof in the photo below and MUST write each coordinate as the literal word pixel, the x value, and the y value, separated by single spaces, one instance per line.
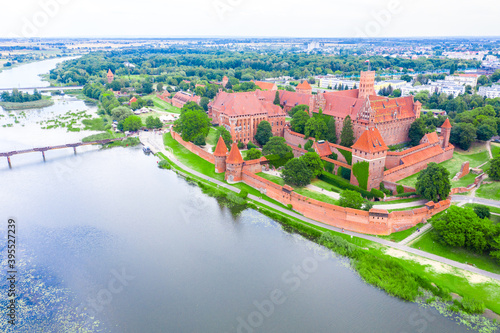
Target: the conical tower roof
pixel 234 155
pixel 446 124
pixel 220 149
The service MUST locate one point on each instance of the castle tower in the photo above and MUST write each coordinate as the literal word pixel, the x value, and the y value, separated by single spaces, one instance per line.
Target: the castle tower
pixel 370 148
pixel 417 108
pixel 234 165
pixel 445 132
pixel 366 84
pixel 110 76
pixel 220 155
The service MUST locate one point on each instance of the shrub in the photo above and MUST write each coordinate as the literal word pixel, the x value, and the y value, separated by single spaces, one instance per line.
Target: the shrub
pixel 308 144
pixel 482 211
pixel 471 305
pixel 407 194
pixel 163 164
pixel 341 183
pixel 241 145
pixel 344 173
pixel 251 145
pixel 400 189
pixel 377 193
pixel 289 206
pixel 243 194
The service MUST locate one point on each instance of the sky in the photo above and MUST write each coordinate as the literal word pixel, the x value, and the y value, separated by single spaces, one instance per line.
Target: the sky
pixel 249 18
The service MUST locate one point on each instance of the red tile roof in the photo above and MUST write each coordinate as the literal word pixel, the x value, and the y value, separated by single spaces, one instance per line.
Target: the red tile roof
pixel 446 124
pixel 132 100
pixel 221 149
pixel 432 137
pixel 304 86
pixel 323 149
pixel 370 141
pixel 422 155
pixel 246 103
pixel 234 155
pixel 264 85
pixel 387 109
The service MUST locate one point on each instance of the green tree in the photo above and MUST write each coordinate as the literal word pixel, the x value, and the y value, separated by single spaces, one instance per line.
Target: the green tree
pixel 433 183
pixel 462 135
pixel 253 154
pixel 416 132
pixel 153 122
pixel 264 132
pixel 192 122
pixel 494 169
pixel 485 132
pixel 276 146
pixel 204 103
pixel 482 211
pixel 199 140
pixel 347 135
pixel 120 113
pixel 351 199
pixel 313 162
pixel 226 136
pixel 132 123
pixel 147 88
pixel 299 121
pixel 331 134
pixel 300 107
pixel 277 98
pixel 316 128
pixel 296 173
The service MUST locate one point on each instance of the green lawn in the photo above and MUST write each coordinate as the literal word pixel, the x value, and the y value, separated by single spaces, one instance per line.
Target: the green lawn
pixel 406 208
pixel 492 209
pixel 274 179
pixel 316 195
pixel 326 186
pixel 400 235
pixel 464 181
pixel 453 166
pixel 192 160
pixel 483 261
pixel 495 149
pixel 211 139
pixel 161 104
pixel 489 191
pixel 397 201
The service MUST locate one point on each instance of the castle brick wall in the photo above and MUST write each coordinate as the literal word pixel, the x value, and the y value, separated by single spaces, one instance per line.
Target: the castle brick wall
pixel 294 138
pixel 393 187
pixel 252 166
pixel 194 148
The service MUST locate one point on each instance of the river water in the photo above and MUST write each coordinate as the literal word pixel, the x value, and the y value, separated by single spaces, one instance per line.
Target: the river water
pixel 107 242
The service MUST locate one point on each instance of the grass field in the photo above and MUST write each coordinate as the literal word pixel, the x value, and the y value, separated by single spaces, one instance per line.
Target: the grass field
pixel 489 191
pixel 406 208
pixel 400 235
pixel 211 139
pixel 192 160
pixel 161 104
pixel 397 201
pixel 492 209
pixel 453 166
pixel 428 243
pixel 495 149
pixel 274 179
pixel 324 185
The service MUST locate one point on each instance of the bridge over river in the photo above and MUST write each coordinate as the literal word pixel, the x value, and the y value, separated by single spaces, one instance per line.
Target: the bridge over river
pixel 44 149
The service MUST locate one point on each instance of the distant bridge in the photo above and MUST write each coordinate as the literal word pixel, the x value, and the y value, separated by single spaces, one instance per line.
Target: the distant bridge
pixel 43 88
pixel 44 149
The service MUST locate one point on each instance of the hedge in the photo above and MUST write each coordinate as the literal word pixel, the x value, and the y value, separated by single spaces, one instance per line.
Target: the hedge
pixel 347 155
pixel 344 173
pixel 360 170
pixel 341 183
pixel 329 166
pixel 407 194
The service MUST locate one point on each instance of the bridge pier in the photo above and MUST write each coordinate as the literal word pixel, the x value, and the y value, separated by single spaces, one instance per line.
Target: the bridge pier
pixel 74 149
pixel 8 160
pixel 43 154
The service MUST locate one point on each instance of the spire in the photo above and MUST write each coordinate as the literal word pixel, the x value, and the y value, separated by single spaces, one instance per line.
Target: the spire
pixel 221 149
pixel 234 155
pixel 446 124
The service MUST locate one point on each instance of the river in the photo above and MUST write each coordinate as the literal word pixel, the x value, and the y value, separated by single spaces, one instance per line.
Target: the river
pixel 108 242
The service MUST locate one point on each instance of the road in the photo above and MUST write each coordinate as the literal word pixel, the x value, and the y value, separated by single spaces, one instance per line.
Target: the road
pixel 155 142
pixel 467 199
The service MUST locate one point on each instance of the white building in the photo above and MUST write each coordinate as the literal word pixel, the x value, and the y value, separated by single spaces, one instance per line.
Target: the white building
pixel 331 82
pixel 411 90
pixel 453 90
pixel 489 92
pixel 463 79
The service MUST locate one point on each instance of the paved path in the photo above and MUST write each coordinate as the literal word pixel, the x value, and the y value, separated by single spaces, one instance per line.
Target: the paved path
pixel 467 199
pixel 155 142
pixel 416 234
pixel 402 205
